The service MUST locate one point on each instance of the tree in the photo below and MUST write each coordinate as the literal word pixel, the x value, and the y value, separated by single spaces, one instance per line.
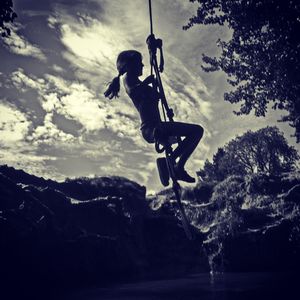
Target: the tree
pixel 263 151
pixel 223 165
pixel 7 15
pixel 262 58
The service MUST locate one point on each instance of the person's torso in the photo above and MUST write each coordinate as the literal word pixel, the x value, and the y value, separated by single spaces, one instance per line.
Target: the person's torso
pixel 145 99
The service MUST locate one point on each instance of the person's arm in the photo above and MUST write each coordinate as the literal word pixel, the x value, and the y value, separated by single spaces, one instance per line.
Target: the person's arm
pixel 151 80
pixel 148 80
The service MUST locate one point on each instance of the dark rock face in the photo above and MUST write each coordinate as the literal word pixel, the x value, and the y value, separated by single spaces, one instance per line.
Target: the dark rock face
pixel 252 223
pixel 11 195
pixel 272 250
pixel 86 231
pixel 103 230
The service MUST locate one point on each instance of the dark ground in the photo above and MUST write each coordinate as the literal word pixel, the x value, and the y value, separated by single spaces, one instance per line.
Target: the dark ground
pixel 231 286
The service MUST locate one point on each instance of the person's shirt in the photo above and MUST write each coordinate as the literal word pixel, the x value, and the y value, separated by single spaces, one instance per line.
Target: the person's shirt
pixel 145 99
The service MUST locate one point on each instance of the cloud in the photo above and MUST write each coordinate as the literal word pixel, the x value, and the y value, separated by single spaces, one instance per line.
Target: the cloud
pixel 186 91
pixel 80 104
pixel 57 68
pixel 15 149
pixel 24 83
pixel 77 102
pixel 147 173
pixel 14 126
pixel 48 133
pixel 30 162
pixel 18 44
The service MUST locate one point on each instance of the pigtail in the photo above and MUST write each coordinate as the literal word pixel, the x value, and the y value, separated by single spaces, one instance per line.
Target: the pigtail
pixel 113 88
pixel 125 58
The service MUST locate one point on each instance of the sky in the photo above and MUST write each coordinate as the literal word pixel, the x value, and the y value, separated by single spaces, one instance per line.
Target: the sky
pixel 55 121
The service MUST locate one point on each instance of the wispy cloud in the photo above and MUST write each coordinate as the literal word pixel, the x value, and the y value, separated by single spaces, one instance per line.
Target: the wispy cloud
pixel 18 44
pixel 14 125
pixel 77 102
pixel 48 133
pixel 16 149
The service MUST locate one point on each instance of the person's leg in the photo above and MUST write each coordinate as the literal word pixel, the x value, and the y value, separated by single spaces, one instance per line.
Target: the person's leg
pixel 192 133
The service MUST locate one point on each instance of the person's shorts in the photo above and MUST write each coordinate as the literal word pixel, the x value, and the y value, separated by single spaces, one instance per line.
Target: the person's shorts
pixel 153 133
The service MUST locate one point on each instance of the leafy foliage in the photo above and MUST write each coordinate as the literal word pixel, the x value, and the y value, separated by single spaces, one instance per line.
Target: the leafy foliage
pixel 264 151
pixel 7 15
pixel 262 58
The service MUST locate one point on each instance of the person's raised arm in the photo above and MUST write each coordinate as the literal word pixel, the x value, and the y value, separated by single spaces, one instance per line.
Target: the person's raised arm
pixel 148 80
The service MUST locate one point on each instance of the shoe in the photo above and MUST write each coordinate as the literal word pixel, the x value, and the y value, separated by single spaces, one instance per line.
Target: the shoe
pixel 182 175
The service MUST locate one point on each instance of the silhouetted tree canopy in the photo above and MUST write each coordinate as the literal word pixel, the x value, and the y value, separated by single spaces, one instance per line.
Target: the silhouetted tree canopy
pixel 7 15
pixel 262 58
pixel 265 150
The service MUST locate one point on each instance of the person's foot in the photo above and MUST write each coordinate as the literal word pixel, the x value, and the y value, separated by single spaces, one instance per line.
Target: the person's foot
pixel 182 175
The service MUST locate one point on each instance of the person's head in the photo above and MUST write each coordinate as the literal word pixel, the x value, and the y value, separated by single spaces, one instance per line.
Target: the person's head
pixel 130 62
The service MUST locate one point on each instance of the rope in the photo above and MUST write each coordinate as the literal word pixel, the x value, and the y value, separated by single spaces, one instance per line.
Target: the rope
pixel 151 30
pixel 151 21
pixel 176 186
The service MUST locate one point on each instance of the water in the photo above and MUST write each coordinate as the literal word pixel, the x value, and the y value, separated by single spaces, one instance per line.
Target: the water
pixel 229 286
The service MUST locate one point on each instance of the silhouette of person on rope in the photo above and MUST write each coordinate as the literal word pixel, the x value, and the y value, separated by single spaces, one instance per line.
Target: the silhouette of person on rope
pixel 146 99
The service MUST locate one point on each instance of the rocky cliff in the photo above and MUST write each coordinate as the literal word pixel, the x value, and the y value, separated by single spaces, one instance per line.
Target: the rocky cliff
pixel 103 230
pixel 250 223
pixel 87 231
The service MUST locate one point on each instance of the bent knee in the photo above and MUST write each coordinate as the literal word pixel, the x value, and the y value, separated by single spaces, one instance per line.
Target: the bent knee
pixel 199 131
